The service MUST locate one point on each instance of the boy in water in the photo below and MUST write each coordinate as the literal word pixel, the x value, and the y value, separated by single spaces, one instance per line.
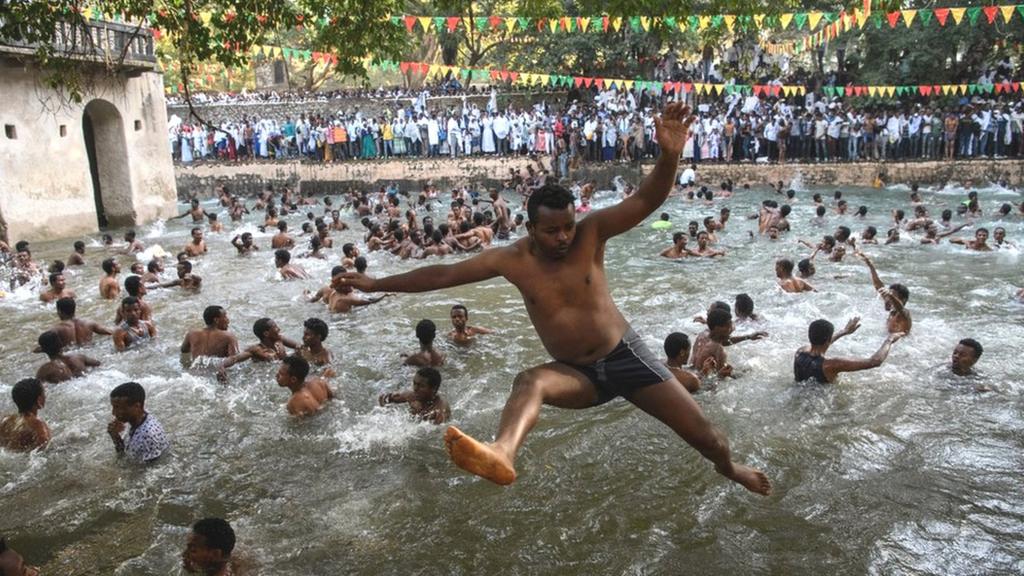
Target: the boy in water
pixel 426 331
pixel 308 397
pixel 60 367
pixel 208 550
pixel 895 298
pixel 133 329
pixel 314 332
pixel 709 348
pixel 213 340
pixel 423 400
pixel 744 306
pixel 110 288
pixel 677 350
pixel 965 355
pixel 244 244
pixel 678 248
pixel 73 330
pixel 810 362
pixel 57 290
pixel 559 270
pixel 282 259
pixel 24 431
pixel 270 347
pixel 788 282
pixel 461 332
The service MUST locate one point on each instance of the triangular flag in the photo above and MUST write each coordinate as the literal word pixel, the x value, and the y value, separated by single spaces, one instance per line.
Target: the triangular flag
pixel 583 23
pixel 730 19
pixel 410 21
pixel 1015 85
pixel 588 82
pixel 962 88
pixel 908 16
pixel 1020 8
pixel 785 19
pixel 717 21
pixel 893 18
pixel 889 90
pixel 513 75
pixel 645 23
pixel 616 23
pixel 873 91
pixel 553 24
pixel 813 18
pixel 926 16
pixel 671 22
pixel 800 19
pixel 941 14
pixel 990 13
pixel 510 24
pixel 629 84
pixel 634 23
pixel 862 17
pixel 1007 12
pixel 924 90
pixel 480 22
pixel 759 20
pixel 439 23
pixel 703 22
pixel 424 23
pixel 453 23
pixel 524 23
pixel 958 14
pixel 578 81
pixel 495 21
pixel 972 14
pixel 600 83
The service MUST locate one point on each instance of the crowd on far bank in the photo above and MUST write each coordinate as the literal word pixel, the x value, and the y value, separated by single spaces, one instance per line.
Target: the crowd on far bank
pixel 618 126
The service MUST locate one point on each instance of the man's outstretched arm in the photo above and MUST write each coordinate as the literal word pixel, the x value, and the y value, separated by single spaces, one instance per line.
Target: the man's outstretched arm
pixel 476 269
pixel 673 128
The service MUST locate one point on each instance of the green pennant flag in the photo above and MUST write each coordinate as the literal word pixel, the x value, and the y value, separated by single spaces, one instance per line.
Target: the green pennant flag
pixel 989 88
pixel 571 24
pixel 900 90
pixel 972 88
pixel 480 22
pixel 670 21
pixel 396 20
pixel 524 23
pixel 876 17
pixel 634 23
pixel 307 55
pixel 925 16
pixel 552 79
pixel 287 53
pixel 1020 8
pixel 800 18
pixel 717 21
pixel 972 14
pixel 693 22
pixel 831 17
pixel 439 23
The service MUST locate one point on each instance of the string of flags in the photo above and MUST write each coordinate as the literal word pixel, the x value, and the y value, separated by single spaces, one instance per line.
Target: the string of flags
pixel 923 90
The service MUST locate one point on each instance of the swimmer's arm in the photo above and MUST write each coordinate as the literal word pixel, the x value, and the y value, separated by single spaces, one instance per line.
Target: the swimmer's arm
pixel 186 345
pixel 481 330
pixel 951 232
pixel 874 273
pixel 288 342
pixel 745 337
pixel 393 398
pixel 483 266
pixel 119 340
pixel 834 366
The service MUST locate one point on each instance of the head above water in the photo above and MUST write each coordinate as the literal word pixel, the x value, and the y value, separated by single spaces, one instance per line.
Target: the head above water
pixel 426 331
pixel 209 546
pixel 820 332
pixel 965 355
pixel 551 220
pixel 28 394
pixel 744 305
pixel 214 315
pixel 677 344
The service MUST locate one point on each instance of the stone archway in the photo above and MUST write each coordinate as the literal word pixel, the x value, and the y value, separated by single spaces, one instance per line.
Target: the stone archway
pixel 103 130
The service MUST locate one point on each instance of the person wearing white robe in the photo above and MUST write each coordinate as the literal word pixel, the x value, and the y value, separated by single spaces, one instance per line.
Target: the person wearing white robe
pixel 487 144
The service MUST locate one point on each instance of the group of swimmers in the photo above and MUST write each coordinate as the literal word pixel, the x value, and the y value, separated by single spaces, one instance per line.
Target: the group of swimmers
pixel 555 265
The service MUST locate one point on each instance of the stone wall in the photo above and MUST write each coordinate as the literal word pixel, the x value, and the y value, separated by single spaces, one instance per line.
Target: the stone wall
pixel 46 188
pixel 217 112
pixel 410 173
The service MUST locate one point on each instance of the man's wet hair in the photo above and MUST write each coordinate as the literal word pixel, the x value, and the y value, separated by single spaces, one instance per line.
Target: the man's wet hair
pixel 678 236
pixel 348 248
pixel 361 264
pixel 900 291
pixel 153 266
pixel 49 343
pixel 842 233
pixel 664 216
pixel 211 313
pixel 283 255
pixel 785 210
pixel 790 193
pixel 675 343
pixel 549 196
pixel 25 394
pixel 217 534
pixel 186 265
pixel 872 231
pixel 862 210
pixel 317 326
pixel 108 265
pixel 718 317
pixel 132 284
pixel 820 210
pixel 432 376
pixel 900 214
pixel 985 230
pixel 829 240
pixel 973 344
pixel 786 264
pixel 820 332
pixel 260 326
pixel 744 304
pixel 816 197
pixel 460 307
pixel 132 391
pixel 66 307
pixel 78 245
pixel 54 276
pixel 297 367
pixel 129 301
pixel 339 269
pixel 282 226
pixel 426 331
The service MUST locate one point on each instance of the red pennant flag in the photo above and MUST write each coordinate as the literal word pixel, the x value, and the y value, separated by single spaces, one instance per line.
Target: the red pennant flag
pixel 563 24
pixel 588 82
pixel 1016 86
pixel 999 88
pixel 849 90
pixel 453 23
pixel 936 89
pixel 495 75
pixel 861 90
pixel 924 90
pixel 541 24
pixel 494 21
pixel 679 87
pixel 504 75
pixel 410 21
pixel 156 33
pixel 600 83
pixel 513 75
pixel 687 87
pixel 424 68
pixel 577 81
pixel 941 14
pixel 404 67
pixel 990 13
pixel 757 89
pixel 893 18
pixel 604 23
pixel 776 89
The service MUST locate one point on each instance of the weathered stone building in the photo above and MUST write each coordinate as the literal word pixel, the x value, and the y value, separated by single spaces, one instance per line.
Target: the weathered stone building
pixel 73 168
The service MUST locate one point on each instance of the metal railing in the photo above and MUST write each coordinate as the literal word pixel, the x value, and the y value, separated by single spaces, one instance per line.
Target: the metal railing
pixel 97 41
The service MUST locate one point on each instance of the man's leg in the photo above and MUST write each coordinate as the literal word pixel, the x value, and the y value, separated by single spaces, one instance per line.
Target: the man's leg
pixel 554 384
pixel 672 404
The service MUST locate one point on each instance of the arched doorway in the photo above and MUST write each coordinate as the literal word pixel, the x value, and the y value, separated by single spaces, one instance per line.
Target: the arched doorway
pixel 103 131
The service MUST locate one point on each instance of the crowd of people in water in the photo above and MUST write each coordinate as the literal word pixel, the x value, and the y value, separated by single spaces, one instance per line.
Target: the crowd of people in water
pixel 481 223
pixel 616 126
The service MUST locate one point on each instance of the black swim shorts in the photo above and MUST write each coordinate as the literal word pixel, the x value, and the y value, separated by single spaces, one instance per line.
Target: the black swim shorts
pixel 628 367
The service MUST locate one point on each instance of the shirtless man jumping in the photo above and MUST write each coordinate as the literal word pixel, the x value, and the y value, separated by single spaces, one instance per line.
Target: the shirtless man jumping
pixel 559 270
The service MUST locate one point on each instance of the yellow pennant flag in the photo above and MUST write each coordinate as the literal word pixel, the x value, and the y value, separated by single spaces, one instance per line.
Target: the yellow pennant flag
pixel 545 78
pixel 717 88
pixel 425 22
pixel 812 19
pixel 729 20
pixel 862 17
pixel 510 24
pixel 553 24
pixel 433 69
pixel 681 22
pixel 759 19
pixel 703 22
pixel 785 19
pixel 908 16
pixel 1007 12
pixel 645 23
pixel 946 88
pixel 616 23
pixel 873 91
pixel 962 88
pixel 890 90
pixel 584 23
pixel 628 83
pixel 958 14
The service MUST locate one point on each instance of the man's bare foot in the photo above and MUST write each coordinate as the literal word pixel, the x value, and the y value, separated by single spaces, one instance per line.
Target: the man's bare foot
pixel 751 479
pixel 478 458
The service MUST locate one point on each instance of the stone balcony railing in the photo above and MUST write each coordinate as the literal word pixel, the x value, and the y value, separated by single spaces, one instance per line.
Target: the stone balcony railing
pixel 96 41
